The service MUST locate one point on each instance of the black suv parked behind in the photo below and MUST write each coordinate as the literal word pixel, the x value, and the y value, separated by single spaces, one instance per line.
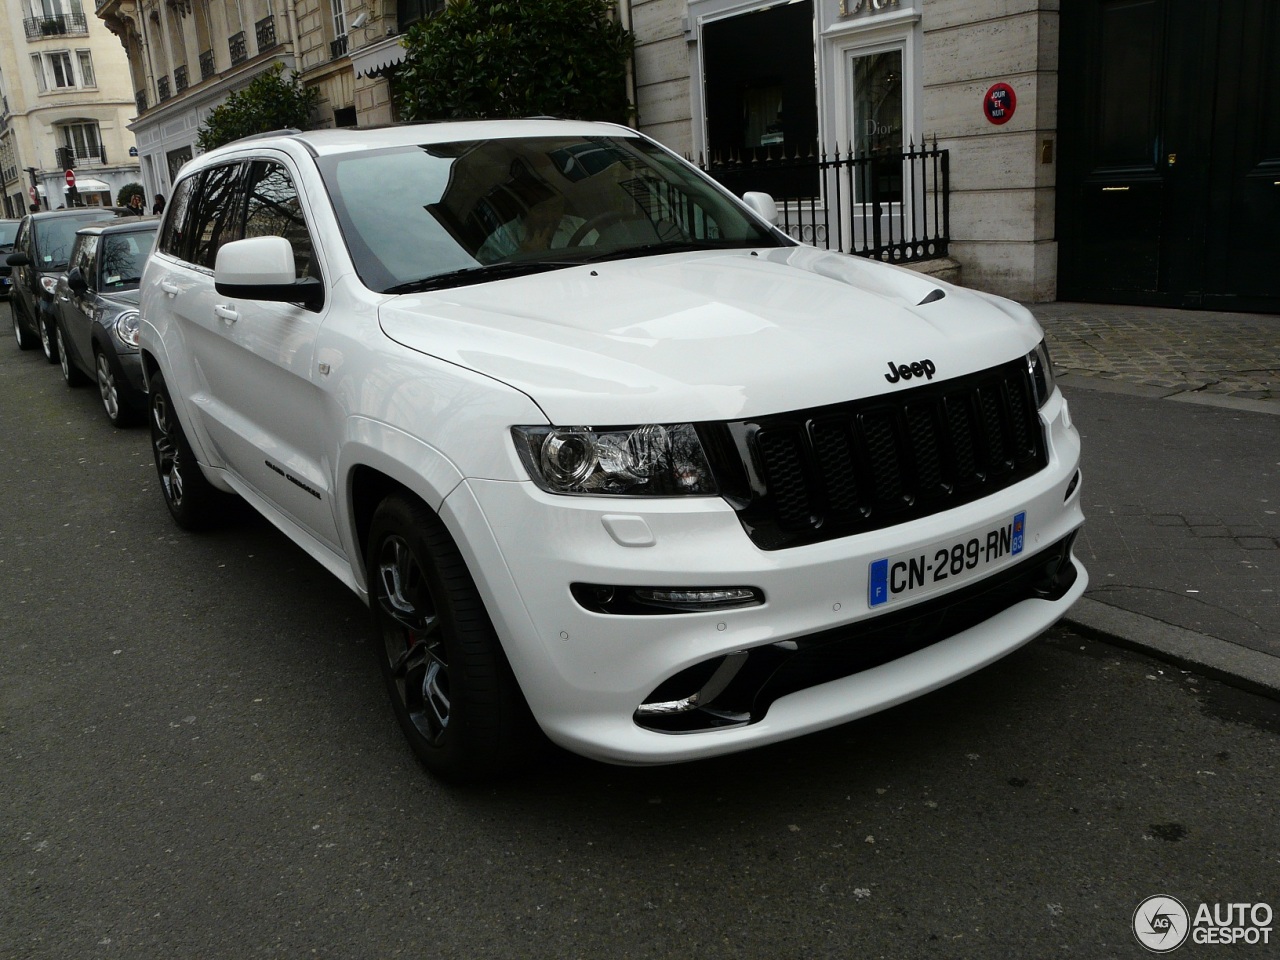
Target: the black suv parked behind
pixel 40 255
pixel 8 231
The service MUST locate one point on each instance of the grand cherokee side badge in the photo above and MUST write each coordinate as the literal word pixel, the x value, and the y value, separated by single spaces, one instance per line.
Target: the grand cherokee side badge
pixel 904 371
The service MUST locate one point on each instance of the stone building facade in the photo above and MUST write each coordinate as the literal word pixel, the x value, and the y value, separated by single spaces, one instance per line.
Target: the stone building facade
pixel 65 100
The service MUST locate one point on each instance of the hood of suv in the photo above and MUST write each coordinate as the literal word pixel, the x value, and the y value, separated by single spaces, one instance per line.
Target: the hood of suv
pixel 710 336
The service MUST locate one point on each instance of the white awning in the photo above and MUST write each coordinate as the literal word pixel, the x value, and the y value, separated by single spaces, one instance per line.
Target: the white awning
pixel 90 185
pixel 368 61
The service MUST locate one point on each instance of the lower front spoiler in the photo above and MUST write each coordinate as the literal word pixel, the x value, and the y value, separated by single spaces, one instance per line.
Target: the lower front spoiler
pixel 738 689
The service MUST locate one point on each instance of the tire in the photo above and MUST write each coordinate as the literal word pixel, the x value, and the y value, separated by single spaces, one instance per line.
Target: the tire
pixel 20 333
pixel 119 411
pixel 451 687
pixel 70 372
pixel 192 500
pixel 48 339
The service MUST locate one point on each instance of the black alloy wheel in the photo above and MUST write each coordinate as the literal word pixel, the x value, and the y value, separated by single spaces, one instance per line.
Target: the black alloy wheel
pixel 191 499
pixel 451 687
pixel 70 372
pixel 118 410
pixel 48 340
pixel 25 340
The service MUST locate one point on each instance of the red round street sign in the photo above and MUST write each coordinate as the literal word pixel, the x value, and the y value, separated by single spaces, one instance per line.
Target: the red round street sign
pixel 999 103
pixel 71 178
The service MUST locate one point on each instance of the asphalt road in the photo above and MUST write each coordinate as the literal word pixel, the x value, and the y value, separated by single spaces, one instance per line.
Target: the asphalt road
pixel 197 759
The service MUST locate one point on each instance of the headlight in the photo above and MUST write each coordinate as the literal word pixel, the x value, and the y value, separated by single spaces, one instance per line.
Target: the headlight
pixel 654 460
pixel 1041 369
pixel 50 285
pixel 127 326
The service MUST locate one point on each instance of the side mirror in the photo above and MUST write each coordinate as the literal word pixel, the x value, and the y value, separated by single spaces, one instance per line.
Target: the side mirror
pixel 262 268
pixel 762 205
pixel 18 259
pixel 76 281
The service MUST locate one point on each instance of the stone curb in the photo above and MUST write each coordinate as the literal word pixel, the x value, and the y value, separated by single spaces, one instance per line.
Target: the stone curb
pixel 1073 380
pixel 1218 659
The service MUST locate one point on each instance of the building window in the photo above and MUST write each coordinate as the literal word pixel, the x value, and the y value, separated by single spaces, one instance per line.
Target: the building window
pixel 52 18
pixel 760 95
pixel 85 59
pixel 37 65
pixel 411 11
pixel 877 102
pixel 54 70
pixel 83 139
pixel 760 82
pixel 339 18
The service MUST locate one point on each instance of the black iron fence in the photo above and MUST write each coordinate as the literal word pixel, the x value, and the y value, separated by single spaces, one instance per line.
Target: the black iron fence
pixel 889 205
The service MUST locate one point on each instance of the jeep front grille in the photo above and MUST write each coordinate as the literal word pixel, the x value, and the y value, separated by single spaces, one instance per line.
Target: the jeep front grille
pixel 818 474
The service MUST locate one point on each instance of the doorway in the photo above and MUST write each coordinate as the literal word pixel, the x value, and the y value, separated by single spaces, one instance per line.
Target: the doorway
pixel 1168 187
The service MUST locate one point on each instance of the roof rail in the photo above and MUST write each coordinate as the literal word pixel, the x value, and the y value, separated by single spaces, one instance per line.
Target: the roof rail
pixel 282 132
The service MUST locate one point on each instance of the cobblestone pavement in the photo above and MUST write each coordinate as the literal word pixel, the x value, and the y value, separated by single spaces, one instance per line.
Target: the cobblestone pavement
pixel 1230 354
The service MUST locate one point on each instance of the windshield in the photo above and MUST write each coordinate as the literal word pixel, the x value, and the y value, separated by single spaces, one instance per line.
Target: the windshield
pixel 8 230
pixel 439 214
pixel 123 257
pixel 57 235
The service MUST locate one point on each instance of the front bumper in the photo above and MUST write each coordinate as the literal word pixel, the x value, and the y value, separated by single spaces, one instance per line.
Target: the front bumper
pixel 585 673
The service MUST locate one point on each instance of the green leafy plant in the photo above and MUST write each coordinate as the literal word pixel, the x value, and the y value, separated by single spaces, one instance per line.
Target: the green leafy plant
pixel 269 102
pixel 128 192
pixel 516 58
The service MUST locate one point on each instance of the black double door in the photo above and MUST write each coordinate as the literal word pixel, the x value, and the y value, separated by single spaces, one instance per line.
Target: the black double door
pixel 1169 153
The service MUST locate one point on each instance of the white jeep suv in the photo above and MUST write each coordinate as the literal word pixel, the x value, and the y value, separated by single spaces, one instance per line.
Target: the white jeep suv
pixel 605 452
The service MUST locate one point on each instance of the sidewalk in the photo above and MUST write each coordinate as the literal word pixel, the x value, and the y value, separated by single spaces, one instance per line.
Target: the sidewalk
pixel 1180 414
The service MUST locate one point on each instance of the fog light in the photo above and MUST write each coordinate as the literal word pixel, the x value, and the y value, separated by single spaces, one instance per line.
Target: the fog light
pixel 696 598
pixel 649 601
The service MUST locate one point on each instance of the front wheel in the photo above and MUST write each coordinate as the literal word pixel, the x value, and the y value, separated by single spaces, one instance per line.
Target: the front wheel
pixel 451 687
pixel 70 372
pixel 25 340
pixel 192 500
pixel 48 339
pixel 119 410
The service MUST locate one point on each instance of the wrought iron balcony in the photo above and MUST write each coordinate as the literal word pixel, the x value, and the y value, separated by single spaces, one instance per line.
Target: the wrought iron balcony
pixel 140 99
pixel 338 47
pixel 266 30
pixel 207 68
pixel 95 159
pixel 236 47
pixel 180 82
pixel 162 89
pixel 56 25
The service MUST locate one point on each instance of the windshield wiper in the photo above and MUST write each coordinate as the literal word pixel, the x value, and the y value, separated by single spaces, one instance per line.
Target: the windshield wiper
pixel 481 274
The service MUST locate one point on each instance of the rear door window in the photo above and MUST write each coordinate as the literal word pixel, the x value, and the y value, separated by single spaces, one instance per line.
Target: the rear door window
pixel 175 237
pixel 217 213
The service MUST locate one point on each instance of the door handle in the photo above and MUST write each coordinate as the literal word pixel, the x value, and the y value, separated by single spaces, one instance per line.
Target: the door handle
pixel 225 312
pixel 169 287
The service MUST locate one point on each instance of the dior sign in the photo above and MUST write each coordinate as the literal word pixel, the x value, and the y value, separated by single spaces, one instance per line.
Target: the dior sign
pixel 849 8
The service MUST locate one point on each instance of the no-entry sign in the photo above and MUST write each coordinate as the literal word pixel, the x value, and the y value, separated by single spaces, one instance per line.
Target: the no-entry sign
pixel 71 178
